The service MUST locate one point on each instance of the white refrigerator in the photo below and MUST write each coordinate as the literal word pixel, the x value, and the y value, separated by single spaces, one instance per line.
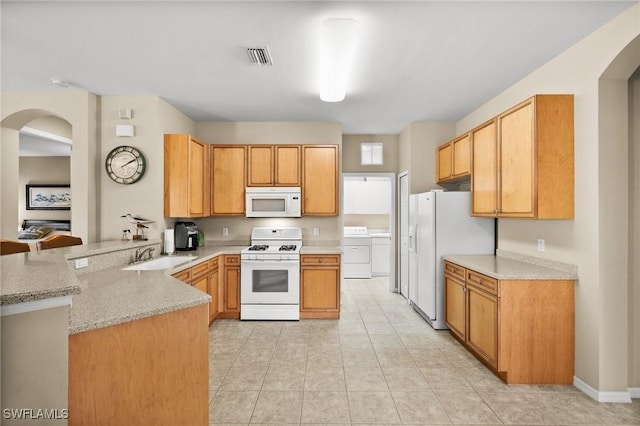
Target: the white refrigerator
pixel 440 224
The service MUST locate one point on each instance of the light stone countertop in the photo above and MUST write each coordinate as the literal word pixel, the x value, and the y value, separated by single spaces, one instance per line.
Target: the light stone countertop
pixel 503 267
pixel 111 295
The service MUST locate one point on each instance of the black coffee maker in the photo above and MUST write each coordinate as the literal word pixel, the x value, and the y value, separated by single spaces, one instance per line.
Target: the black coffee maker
pixel 186 236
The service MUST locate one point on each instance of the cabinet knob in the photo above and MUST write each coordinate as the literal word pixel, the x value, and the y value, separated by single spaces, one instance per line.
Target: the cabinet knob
pixel 480 280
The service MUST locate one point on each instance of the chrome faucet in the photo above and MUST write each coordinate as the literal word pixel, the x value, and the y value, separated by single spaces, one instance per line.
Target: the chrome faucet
pixel 140 252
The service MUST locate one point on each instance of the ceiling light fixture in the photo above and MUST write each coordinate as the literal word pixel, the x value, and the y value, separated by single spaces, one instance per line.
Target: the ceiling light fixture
pixel 338 38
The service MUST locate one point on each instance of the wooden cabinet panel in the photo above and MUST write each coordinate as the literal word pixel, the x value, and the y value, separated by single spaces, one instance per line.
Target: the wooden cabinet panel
pixel 287 165
pixel 186 176
pixel 445 161
pixel 516 161
pixel 261 165
pixel 320 289
pixel 484 180
pixel 453 160
pixel 228 165
pixel 184 276
pixel 482 310
pixel 213 289
pixel 150 371
pixel 455 305
pixel 320 180
pixel 229 288
pixel 532 160
pixel 522 329
pixel 320 286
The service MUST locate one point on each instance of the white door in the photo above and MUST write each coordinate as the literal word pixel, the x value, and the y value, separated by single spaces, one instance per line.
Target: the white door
pixel 403 212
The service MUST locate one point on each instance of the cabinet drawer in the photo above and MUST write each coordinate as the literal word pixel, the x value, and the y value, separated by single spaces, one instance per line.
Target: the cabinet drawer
pixel 325 260
pixel 482 281
pixel 233 260
pixel 184 276
pixel 454 269
pixel 213 263
pixel 199 269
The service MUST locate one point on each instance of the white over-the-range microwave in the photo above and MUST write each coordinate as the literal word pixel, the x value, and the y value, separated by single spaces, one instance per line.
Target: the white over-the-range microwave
pixel 273 201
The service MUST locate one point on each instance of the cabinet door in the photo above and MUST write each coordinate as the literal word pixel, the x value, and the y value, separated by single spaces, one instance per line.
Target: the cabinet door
pixel 482 332
pixel 455 305
pixel 232 289
pixel 287 165
pixel 228 165
pixel 444 162
pixel 261 165
pixel 186 176
pixel 213 292
pixel 517 161
pixel 484 183
pixel 320 289
pixel 461 156
pixel 320 180
pixel 202 284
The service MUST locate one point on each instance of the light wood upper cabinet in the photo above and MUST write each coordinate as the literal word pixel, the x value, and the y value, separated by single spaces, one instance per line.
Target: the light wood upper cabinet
pixel 320 180
pixel 273 165
pixel 186 176
pixel 484 180
pixel 532 160
pixel 261 166
pixel 454 160
pixel 229 173
pixel 287 165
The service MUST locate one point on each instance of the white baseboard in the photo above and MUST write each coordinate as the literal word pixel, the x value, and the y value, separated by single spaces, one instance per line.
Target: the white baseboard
pixel 617 397
pixel 635 393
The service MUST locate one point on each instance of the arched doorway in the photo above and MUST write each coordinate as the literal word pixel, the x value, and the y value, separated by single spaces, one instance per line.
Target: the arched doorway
pixel 81 110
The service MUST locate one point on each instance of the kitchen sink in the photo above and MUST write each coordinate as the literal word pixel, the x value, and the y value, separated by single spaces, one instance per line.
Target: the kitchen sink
pixel 160 263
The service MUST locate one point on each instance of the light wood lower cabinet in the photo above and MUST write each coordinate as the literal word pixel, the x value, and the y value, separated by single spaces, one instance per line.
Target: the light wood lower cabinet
pixel 151 371
pixel 522 329
pixel 320 286
pixel 229 287
pixel 204 277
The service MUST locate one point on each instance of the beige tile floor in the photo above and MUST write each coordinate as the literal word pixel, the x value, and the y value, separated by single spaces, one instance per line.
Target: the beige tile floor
pixel 381 363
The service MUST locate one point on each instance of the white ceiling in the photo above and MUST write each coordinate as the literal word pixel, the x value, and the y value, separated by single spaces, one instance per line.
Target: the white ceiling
pixel 415 61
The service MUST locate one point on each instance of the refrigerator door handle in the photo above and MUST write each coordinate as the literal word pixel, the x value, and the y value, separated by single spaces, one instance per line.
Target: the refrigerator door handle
pixel 416 239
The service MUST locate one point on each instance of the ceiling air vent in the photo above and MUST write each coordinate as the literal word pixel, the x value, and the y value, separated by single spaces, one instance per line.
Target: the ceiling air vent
pixel 259 56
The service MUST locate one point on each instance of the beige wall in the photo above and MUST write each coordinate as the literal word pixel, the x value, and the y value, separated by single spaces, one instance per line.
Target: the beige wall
pixel 152 118
pixel 42 170
pixel 417 144
pixel 634 234
pixel 271 133
pixel 351 153
pixel 588 240
pixel 81 110
pixel 53 125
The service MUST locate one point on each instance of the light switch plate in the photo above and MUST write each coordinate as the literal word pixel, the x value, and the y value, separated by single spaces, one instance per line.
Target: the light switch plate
pixel 225 232
pixel 541 245
pixel 82 263
pixel 316 231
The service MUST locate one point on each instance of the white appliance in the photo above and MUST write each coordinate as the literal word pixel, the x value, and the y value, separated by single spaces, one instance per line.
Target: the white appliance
pixel 380 253
pixel 273 201
pixel 440 224
pixel 356 260
pixel 270 275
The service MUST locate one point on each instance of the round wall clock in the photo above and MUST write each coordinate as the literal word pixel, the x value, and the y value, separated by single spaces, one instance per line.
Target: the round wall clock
pixel 125 164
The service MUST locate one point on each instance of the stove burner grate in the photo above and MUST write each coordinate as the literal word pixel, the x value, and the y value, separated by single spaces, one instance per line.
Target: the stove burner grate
pixel 290 247
pixel 259 247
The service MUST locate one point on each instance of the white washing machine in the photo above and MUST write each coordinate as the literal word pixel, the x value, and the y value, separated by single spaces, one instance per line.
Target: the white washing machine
pixel 356 260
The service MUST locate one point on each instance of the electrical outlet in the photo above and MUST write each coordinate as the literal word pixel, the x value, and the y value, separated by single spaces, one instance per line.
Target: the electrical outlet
pixel 82 263
pixel 540 245
pixel 316 232
pixel 225 232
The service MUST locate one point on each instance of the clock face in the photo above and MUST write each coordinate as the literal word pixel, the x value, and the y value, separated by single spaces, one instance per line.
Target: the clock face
pixel 125 164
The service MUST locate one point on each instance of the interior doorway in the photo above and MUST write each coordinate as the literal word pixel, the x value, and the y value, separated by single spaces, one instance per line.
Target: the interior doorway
pixel 369 200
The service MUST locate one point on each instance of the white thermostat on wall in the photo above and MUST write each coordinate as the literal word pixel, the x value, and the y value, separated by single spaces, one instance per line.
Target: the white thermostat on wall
pixel 125 130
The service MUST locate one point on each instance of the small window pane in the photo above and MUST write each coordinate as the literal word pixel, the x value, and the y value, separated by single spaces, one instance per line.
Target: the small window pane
pixel 371 153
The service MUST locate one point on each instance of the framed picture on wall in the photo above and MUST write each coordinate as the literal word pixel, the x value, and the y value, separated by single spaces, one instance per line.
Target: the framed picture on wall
pixel 48 197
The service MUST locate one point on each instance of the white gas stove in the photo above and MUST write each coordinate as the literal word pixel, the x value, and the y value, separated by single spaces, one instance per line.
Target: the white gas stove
pixel 270 275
